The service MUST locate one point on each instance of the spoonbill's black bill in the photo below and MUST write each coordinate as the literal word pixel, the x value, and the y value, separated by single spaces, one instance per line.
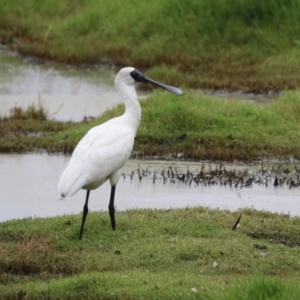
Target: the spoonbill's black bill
pixel 101 154
pixel 140 77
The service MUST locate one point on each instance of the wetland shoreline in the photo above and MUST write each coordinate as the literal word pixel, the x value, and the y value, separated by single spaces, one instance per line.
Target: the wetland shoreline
pixel 184 253
pixel 194 127
pixel 213 49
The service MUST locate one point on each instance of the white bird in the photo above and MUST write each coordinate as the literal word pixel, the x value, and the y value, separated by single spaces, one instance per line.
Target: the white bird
pixel 104 150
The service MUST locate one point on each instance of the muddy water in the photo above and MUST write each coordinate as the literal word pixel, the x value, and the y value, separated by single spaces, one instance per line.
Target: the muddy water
pixel 28 188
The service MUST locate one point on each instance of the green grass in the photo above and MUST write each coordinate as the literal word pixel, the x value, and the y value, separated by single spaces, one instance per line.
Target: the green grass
pixel 216 128
pixel 221 129
pixel 233 44
pixel 29 130
pixel 264 288
pixel 153 254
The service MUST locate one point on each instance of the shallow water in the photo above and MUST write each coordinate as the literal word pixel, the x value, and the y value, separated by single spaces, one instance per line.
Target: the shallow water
pixel 72 93
pixel 28 188
pixel 66 92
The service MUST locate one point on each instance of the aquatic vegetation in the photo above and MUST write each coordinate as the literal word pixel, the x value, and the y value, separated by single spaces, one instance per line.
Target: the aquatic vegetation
pixel 276 176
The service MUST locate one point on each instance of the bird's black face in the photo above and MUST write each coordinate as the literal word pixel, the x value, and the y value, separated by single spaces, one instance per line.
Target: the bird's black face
pixel 140 77
pixel 137 75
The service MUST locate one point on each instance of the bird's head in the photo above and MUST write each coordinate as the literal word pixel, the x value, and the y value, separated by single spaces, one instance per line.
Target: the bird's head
pixel 124 77
pixel 129 76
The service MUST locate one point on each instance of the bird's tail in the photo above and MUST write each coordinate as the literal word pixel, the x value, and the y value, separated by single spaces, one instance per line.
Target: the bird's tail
pixel 69 185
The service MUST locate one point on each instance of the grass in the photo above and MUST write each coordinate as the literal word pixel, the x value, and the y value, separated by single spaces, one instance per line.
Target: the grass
pixel 232 44
pixel 216 129
pixel 221 129
pixel 153 254
pixel 262 288
pixel 29 129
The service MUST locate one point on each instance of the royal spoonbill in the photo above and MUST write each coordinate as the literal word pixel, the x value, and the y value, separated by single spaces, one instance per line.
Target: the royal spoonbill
pixel 103 151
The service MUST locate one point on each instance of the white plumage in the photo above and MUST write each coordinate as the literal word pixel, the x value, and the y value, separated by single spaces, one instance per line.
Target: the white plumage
pixel 105 149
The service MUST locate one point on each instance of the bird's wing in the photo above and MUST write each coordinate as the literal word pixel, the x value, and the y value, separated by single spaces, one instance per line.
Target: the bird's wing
pixel 99 154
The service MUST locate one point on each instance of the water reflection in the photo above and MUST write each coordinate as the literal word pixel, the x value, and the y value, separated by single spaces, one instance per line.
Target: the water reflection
pixel 28 188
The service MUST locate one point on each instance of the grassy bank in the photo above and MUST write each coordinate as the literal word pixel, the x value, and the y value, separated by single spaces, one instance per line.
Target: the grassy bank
pixel 247 45
pixel 153 254
pixel 191 126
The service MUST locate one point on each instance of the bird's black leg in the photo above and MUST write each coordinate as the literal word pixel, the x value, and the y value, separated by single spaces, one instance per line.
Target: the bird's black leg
pixel 111 207
pixel 85 212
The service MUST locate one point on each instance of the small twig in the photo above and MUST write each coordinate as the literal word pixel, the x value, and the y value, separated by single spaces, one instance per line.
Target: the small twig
pixel 237 222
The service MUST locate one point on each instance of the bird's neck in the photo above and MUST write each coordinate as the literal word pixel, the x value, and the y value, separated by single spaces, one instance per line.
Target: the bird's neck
pixel 133 109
